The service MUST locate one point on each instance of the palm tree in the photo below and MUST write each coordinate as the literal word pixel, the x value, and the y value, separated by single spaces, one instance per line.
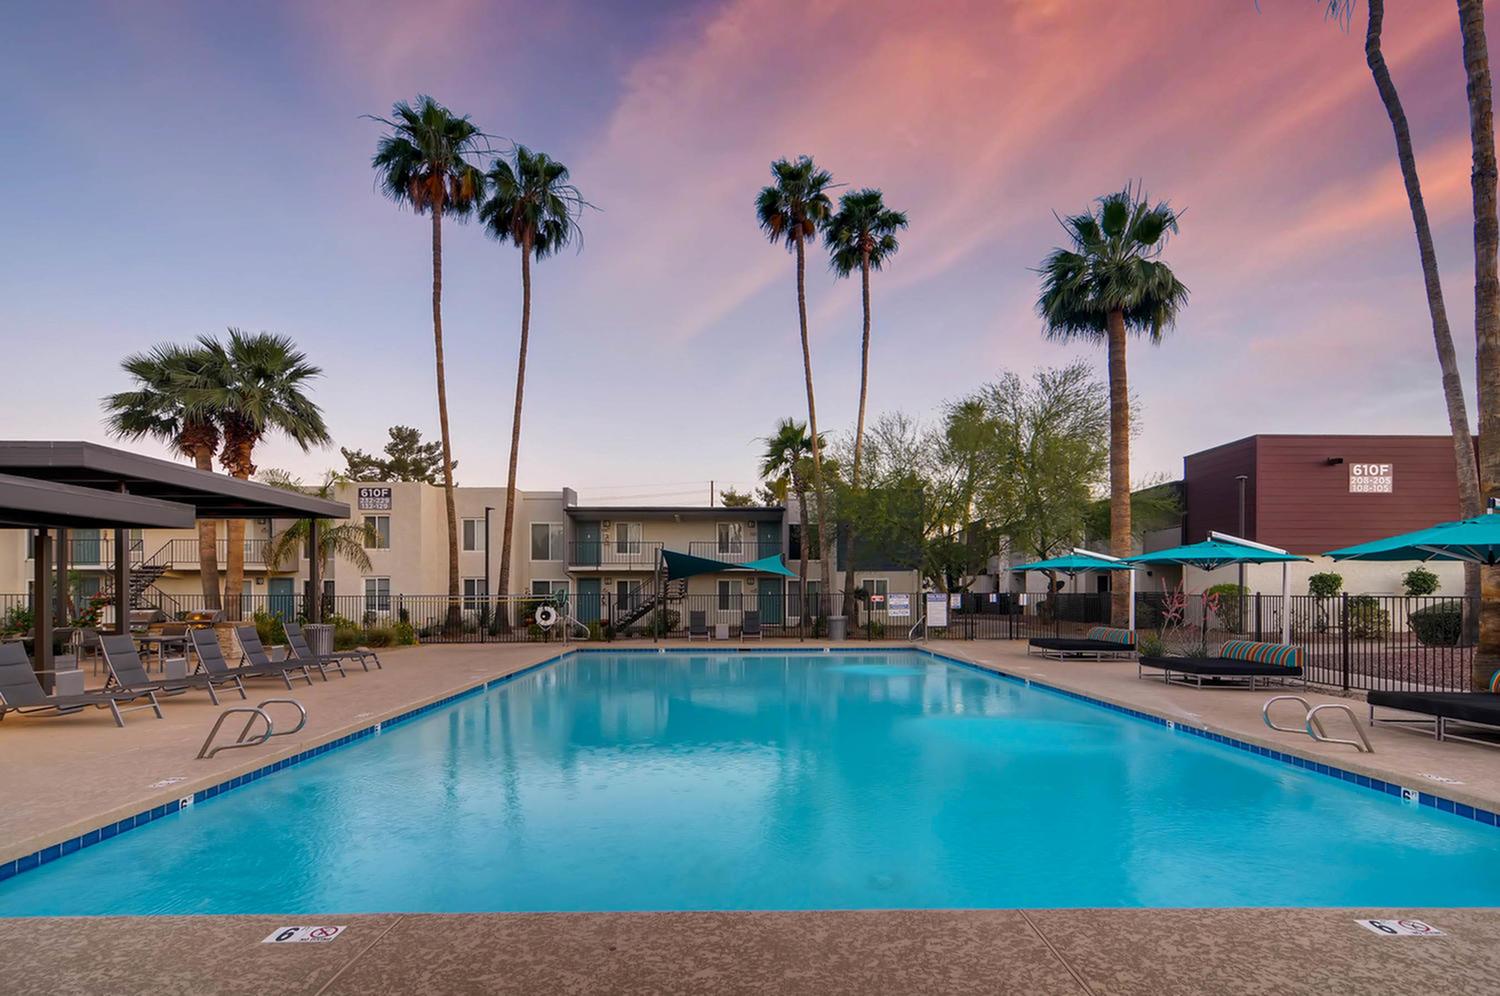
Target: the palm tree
pixel 861 236
pixel 256 384
pixel 346 539
pixel 156 408
pixel 533 207
pixel 783 465
pixel 1109 284
pixel 791 210
pixel 424 163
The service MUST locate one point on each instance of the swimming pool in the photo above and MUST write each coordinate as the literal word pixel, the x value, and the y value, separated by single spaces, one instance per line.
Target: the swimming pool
pixel 775 781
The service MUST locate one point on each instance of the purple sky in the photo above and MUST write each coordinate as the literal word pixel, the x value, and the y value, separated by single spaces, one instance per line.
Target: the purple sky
pixel 177 168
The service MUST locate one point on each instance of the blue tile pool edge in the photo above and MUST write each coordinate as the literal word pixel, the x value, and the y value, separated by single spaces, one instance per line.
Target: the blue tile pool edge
pixel 1409 795
pixel 52 852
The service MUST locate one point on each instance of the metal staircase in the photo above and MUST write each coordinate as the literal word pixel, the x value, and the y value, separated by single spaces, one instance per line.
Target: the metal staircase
pixel 661 593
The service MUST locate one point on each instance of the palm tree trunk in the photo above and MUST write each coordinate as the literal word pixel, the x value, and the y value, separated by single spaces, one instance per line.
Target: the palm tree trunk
pixel 801 489
pixel 1453 388
pixel 1486 309
pixel 454 609
pixel 1119 467
pixel 859 427
pixel 812 424
pixel 208 540
pixel 515 427
pixel 241 464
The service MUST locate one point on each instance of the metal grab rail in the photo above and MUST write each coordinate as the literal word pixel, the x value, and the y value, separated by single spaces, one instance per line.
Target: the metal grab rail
pixel 919 624
pixel 1313 726
pixel 243 740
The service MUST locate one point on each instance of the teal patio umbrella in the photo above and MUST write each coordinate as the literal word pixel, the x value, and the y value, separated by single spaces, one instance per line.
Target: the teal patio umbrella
pixel 1474 541
pixel 1223 550
pixel 1082 561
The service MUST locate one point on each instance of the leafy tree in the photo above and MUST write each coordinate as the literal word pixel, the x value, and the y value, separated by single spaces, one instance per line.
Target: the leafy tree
pixel 533 207
pixel 785 462
pixel 424 163
pixel 1325 584
pixel 730 498
pixel 336 537
pixel 791 210
pixel 406 458
pixel 254 385
pixel 1420 581
pixel 157 407
pixel 1108 284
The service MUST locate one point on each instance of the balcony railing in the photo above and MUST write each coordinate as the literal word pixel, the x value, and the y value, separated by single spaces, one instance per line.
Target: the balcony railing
pixel 626 554
pixel 182 554
pixel 738 552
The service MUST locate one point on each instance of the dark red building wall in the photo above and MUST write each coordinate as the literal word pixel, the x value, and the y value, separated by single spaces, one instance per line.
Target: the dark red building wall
pixel 1211 493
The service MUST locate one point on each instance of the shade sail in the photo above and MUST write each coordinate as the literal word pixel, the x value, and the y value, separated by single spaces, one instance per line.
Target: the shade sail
pixel 685 565
pixel 1475 540
pixel 1074 563
pixel 1215 553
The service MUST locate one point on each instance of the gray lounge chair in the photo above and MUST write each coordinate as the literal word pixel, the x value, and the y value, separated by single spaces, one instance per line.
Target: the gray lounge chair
pixel 750 625
pixel 21 692
pixel 211 659
pixel 697 625
pixel 126 671
pixel 298 649
pixel 362 655
pixel 255 655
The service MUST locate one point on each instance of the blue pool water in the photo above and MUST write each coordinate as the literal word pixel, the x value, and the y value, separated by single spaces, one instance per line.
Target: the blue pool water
pixel 764 781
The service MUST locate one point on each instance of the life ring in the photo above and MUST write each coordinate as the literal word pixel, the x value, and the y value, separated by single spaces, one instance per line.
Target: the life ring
pixel 546 616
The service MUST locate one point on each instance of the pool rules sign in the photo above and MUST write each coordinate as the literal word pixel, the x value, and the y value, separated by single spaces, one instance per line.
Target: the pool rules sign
pixel 1371 479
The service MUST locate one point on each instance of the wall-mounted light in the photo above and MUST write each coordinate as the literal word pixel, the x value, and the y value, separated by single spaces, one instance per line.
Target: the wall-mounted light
pixel 1334 461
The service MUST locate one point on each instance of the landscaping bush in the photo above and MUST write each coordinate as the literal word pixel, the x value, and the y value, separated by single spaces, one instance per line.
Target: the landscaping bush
pixel 1440 625
pixel 596 631
pixel 1231 598
pixel 403 635
pixel 270 630
pixel 1151 645
pixel 1367 620
pixel 876 629
pixel 1420 581
pixel 1325 584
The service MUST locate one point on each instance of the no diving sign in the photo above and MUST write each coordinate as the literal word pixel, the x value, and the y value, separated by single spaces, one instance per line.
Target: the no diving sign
pixel 1400 928
pixel 303 935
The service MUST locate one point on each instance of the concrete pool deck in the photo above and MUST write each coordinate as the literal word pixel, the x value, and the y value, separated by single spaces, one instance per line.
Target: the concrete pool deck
pixel 69 774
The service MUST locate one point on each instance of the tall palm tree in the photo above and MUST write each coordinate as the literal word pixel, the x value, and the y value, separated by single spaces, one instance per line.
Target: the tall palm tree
pixel 791 210
pixel 156 408
pixel 424 163
pixel 257 384
pixel 1110 284
pixel 861 237
pixel 533 207
pixel 336 538
pixel 1453 389
pixel 783 465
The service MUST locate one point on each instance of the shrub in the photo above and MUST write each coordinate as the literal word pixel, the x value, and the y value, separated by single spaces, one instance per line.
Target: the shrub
pixel 403 635
pixel 380 636
pixel 1420 581
pixel 1367 620
pixel 1151 645
pixel 1440 625
pixel 1230 601
pixel 596 631
pixel 876 629
pixel 269 629
pixel 1325 584
pixel 18 620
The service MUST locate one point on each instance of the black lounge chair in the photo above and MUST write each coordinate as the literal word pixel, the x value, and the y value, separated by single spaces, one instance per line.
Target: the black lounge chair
pixel 1240 664
pixel 361 655
pixel 1467 709
pixel 21 692
pixel 697 625
pixel 1099 643
pixel 127 672
pixel 254 653
pixel 212 660
pixel 298 649
pixel 750 625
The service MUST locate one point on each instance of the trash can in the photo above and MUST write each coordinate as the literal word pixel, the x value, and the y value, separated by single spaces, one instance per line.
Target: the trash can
pixel 319 637
pixel 838 627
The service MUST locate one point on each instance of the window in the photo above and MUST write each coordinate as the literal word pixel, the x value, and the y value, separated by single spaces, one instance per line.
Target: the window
pixel 729 596
pixel 550 589
pixel 795 535
pixel 546 541
pixel 378 532
pixel 474 536
pixel 730 536
pixel 878 589
pixel 627 595
pixel 476 590
pixel 377 594
pixel 627 538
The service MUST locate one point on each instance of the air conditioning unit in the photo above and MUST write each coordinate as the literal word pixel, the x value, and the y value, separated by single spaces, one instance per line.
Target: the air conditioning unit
pixel 606 524
pixel 749 582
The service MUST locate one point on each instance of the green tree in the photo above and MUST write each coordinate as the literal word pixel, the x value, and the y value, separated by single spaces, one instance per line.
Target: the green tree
pixel 424 163
pixel 534 207
pixel 1109 284
pixel 255 384
pixel 791 210
pixel 336 538
pixel 861 237
pixel 731 498
pixel 157 407
pixel 406 458
pixel 784 465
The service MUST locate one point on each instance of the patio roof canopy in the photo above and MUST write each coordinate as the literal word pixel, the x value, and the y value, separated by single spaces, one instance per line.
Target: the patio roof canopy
pixel 211 496
pixel 685 565
pixel 26 503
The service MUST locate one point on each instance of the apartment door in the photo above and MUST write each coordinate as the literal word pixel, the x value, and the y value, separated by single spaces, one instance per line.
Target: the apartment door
pixel 586 550
pixel 589 590
pixel 772 602
pixel 281 593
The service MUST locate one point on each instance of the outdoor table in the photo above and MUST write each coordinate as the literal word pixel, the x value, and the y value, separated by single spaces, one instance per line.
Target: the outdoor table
pixel 161 642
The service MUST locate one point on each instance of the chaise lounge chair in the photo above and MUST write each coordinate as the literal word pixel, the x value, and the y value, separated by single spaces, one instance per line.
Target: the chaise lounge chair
pixel 1098 643
pixel 1467 709
pixel 362 655
pixel 298 649
pixel 126 671
pixel 254 653
pixel 211 659
pixel 697 625
pixel 1240 664
pixel 750 625
pixel 21 692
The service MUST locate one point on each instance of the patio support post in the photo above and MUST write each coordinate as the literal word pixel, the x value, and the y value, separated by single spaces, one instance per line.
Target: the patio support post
pixel 314 575
pixel 60 607
pixel 122 581
pixel 41 607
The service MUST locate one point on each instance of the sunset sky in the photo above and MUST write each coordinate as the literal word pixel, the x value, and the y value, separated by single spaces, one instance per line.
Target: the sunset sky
pixel 179 168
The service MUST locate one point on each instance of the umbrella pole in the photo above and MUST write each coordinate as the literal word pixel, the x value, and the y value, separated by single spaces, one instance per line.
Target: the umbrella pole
pixel 1286 604
pixel 1132 601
